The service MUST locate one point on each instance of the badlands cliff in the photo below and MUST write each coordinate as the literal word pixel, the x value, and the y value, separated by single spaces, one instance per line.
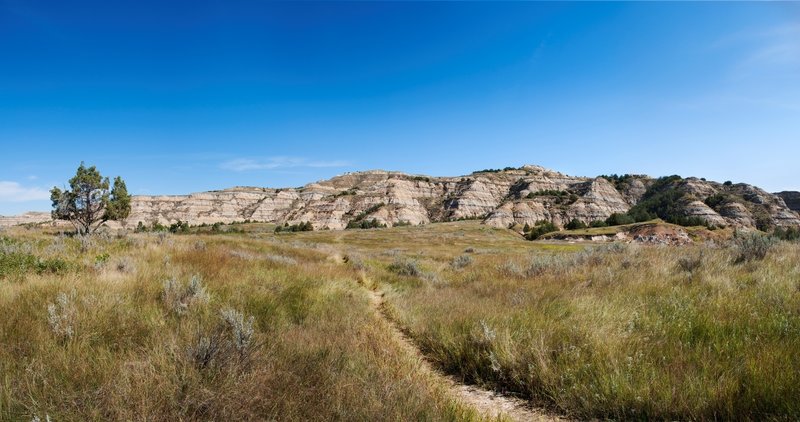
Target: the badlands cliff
pixel 500 198
pixel 791 198
pixel 32 217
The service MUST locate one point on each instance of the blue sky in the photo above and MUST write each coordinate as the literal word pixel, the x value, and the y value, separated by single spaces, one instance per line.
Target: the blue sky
pixel 186 96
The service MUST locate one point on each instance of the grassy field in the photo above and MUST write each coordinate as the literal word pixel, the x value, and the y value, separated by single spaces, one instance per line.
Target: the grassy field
pixel 268 330
pixel 279 326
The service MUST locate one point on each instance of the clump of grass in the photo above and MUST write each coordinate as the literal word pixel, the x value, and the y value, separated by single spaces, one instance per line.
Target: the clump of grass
pixel 356 261
pixel 178 298
pixel 124 264
pixel 100 260
pixel 691 263
pixel 280 259
pixel 405 267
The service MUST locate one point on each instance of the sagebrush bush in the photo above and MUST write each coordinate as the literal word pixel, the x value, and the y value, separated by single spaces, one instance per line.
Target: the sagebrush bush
pixel 226 345
pixel 406 267
pixel 61 316
pixel 752 246
pixel 178 298
pixel 240 329
pixel 356 261
pixel 461 261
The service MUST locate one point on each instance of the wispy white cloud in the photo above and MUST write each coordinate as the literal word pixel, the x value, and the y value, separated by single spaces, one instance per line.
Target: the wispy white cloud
pixel 274 163
pixel 723 101
pixel 14 192
pixel 774 49
pixel 778 53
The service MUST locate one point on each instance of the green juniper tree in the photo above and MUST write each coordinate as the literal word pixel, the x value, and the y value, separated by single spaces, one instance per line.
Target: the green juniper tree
pixel 88 202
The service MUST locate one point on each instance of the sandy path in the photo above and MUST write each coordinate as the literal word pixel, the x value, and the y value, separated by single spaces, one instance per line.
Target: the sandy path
pixel 489 403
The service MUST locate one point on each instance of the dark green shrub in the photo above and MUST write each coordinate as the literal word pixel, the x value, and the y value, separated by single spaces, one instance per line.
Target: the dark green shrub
pixel 179 227
pixel 540 229
pixel 789 234
pixel 299 227
pixel 717 200
pixel 598 223
pixel 618 219
pixel 575 224
pixel 618 181
pixel 365 224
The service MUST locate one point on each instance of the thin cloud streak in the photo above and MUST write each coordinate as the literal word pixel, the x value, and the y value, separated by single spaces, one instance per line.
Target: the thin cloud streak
pixel 775 49
pixel 274 163
pixel 14 192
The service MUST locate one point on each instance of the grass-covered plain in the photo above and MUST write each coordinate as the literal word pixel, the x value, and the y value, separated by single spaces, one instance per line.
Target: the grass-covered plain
pixel 110 337
pixel 587 331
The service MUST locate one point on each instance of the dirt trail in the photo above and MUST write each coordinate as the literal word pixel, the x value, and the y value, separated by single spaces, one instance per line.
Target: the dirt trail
pixel 489 403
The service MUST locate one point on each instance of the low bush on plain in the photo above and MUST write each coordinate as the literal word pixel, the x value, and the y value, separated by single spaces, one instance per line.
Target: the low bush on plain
pixel 752 246
pixel 461 261
pixel 405 267
pixel 178 298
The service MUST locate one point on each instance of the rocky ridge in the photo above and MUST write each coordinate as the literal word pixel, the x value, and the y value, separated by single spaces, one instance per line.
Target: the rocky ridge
pixel 791 198
pixel 32 217
pixel 500 198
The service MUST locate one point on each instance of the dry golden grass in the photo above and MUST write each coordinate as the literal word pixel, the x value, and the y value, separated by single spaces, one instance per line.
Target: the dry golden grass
pixel 598 331
pixel 120 351
pixel 589 331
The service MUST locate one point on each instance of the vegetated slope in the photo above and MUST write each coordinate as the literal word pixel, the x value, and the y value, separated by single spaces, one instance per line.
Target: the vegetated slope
pixel 500 198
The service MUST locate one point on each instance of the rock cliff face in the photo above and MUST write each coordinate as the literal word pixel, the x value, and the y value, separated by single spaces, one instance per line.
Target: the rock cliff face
pixel 500 198
pixel 791 198
pixel 737 205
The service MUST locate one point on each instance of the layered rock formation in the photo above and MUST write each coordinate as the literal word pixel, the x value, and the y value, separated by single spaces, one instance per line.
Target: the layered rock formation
pixel 32 217
pixel 500 198
pixel 737 205
pixel 791 198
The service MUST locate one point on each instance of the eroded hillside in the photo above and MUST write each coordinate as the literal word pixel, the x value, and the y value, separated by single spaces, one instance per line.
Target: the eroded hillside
pixel 499 197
